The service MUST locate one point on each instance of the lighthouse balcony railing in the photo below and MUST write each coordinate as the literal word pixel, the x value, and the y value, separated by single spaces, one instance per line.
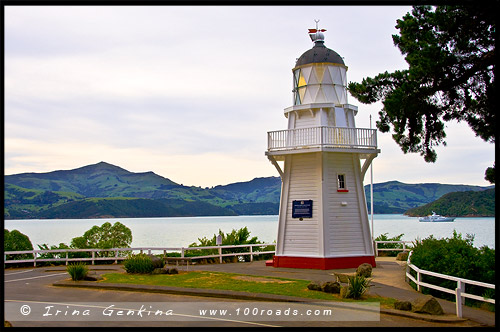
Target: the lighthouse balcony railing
pixel 335 137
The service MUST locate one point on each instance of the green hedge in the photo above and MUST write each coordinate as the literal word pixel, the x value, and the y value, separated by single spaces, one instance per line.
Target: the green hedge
pixel 456 257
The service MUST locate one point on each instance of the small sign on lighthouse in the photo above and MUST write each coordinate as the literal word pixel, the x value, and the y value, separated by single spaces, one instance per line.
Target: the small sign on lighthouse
pixel 323 158
pixel 302 209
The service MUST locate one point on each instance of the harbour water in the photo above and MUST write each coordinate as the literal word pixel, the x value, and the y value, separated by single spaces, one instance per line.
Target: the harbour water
pixel 182 231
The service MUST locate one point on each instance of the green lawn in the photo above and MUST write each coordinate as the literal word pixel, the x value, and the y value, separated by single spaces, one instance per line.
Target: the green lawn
pixel 235 282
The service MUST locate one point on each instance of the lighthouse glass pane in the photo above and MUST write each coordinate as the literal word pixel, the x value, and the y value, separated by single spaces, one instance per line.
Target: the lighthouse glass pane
pixel 302 92
pixel 302 80
pixel 320 71
pixel 313 79
pixel 296 98
pixel 296 75
pixel 306 72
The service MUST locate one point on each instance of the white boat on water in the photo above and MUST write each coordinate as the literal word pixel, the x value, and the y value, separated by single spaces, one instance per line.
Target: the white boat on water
pixel 435 218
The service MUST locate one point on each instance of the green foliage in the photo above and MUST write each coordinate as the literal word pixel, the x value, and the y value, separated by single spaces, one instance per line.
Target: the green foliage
pixel 450 51
pixel 489 174
pixel 106 236
pixel 62 254
pixel 16 241
pixel 140 263
pixel 384 237
pixel 77 271
pixel 235 237
pixel 457 257
pixel 357 286
pixel 458 204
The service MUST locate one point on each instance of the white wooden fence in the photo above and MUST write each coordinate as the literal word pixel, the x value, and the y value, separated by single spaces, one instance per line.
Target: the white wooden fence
pixel 64 253
pixel 404 248
pixel 459 291
pixel 117 257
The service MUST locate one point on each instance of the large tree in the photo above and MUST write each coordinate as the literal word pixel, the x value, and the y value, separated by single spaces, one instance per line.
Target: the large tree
pixel 450 51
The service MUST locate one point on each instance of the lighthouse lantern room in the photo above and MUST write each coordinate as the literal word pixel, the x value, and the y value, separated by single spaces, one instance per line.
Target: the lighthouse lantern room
pixel 322 159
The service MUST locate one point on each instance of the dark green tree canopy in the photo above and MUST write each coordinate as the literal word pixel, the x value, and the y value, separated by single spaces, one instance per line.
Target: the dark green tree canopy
pixel 450 51
pixel 16 241
pixel 105 237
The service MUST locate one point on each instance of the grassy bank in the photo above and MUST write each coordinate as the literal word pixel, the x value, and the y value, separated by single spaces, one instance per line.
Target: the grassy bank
pixel 235 282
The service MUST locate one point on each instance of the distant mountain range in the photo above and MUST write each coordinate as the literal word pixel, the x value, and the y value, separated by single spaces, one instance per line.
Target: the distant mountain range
pixel 103 190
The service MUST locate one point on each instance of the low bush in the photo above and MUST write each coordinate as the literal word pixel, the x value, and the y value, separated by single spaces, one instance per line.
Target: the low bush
pixel 140 263
pixel 384 237
pixel 457 257
pixel 357 286
pixel 77 271
pixel 236 237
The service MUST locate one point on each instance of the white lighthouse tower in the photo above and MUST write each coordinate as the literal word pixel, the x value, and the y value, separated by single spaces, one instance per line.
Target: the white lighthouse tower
pixel 322 159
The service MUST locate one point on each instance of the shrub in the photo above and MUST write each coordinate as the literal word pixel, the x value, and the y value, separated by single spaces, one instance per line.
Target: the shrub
pixel 236 237
pixel 384 237
pixel 16 241
pixel 140 263
pixel 357 286
pixel 77 271
pixel 457 257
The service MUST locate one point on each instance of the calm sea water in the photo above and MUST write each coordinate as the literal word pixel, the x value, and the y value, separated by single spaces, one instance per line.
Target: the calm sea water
pixel 180 232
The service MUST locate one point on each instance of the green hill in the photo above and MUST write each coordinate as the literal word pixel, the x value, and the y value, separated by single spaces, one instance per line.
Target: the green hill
pixel 103 189
pixel 398 197
pixel 122 207
pixel 460 204
pixel 98 180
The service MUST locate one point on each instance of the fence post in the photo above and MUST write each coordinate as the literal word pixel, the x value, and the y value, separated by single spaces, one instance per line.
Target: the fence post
pixel 182 252
pixel 34 258
pixel 93 257
pixel 461 286
pixel 251 253
pixel 116 256
pixel 66 258
pixel 220 255
pixel 458 295
pixel 418 282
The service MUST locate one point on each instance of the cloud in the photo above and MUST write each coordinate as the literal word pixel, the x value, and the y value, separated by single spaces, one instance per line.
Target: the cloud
pixel 188 92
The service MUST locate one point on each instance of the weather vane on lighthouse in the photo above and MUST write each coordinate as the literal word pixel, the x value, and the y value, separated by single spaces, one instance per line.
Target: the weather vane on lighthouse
pixel 316 34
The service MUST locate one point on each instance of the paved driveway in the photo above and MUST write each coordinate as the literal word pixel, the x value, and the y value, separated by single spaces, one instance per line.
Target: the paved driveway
pixel 29 294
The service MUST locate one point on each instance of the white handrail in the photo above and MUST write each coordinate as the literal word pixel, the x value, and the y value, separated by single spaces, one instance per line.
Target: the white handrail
pixel 341 137
pixel 116 257
pixel 459 291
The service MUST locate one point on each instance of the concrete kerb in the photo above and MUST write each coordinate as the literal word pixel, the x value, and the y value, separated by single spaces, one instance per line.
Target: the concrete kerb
pixel 214 293
pixel 240 296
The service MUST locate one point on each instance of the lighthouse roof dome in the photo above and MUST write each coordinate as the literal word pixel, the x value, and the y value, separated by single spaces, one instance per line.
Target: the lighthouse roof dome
pixel 319 53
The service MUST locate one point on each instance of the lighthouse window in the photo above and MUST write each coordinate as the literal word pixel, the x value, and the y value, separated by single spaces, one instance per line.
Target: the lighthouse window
pixel 341 182
pixel 296 84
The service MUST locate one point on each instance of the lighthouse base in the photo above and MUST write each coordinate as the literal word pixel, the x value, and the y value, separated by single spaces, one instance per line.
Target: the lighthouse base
pixel 322 263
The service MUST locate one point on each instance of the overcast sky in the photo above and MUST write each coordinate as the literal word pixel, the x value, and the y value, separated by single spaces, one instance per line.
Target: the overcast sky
pixel 191 92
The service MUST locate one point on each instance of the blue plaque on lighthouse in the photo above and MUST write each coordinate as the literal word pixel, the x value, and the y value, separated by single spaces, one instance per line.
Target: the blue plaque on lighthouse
pixel 302 209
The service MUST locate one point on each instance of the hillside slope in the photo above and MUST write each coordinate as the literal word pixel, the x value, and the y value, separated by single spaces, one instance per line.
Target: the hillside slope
pixel 460 204
pixel 398 197
pixel 66 194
